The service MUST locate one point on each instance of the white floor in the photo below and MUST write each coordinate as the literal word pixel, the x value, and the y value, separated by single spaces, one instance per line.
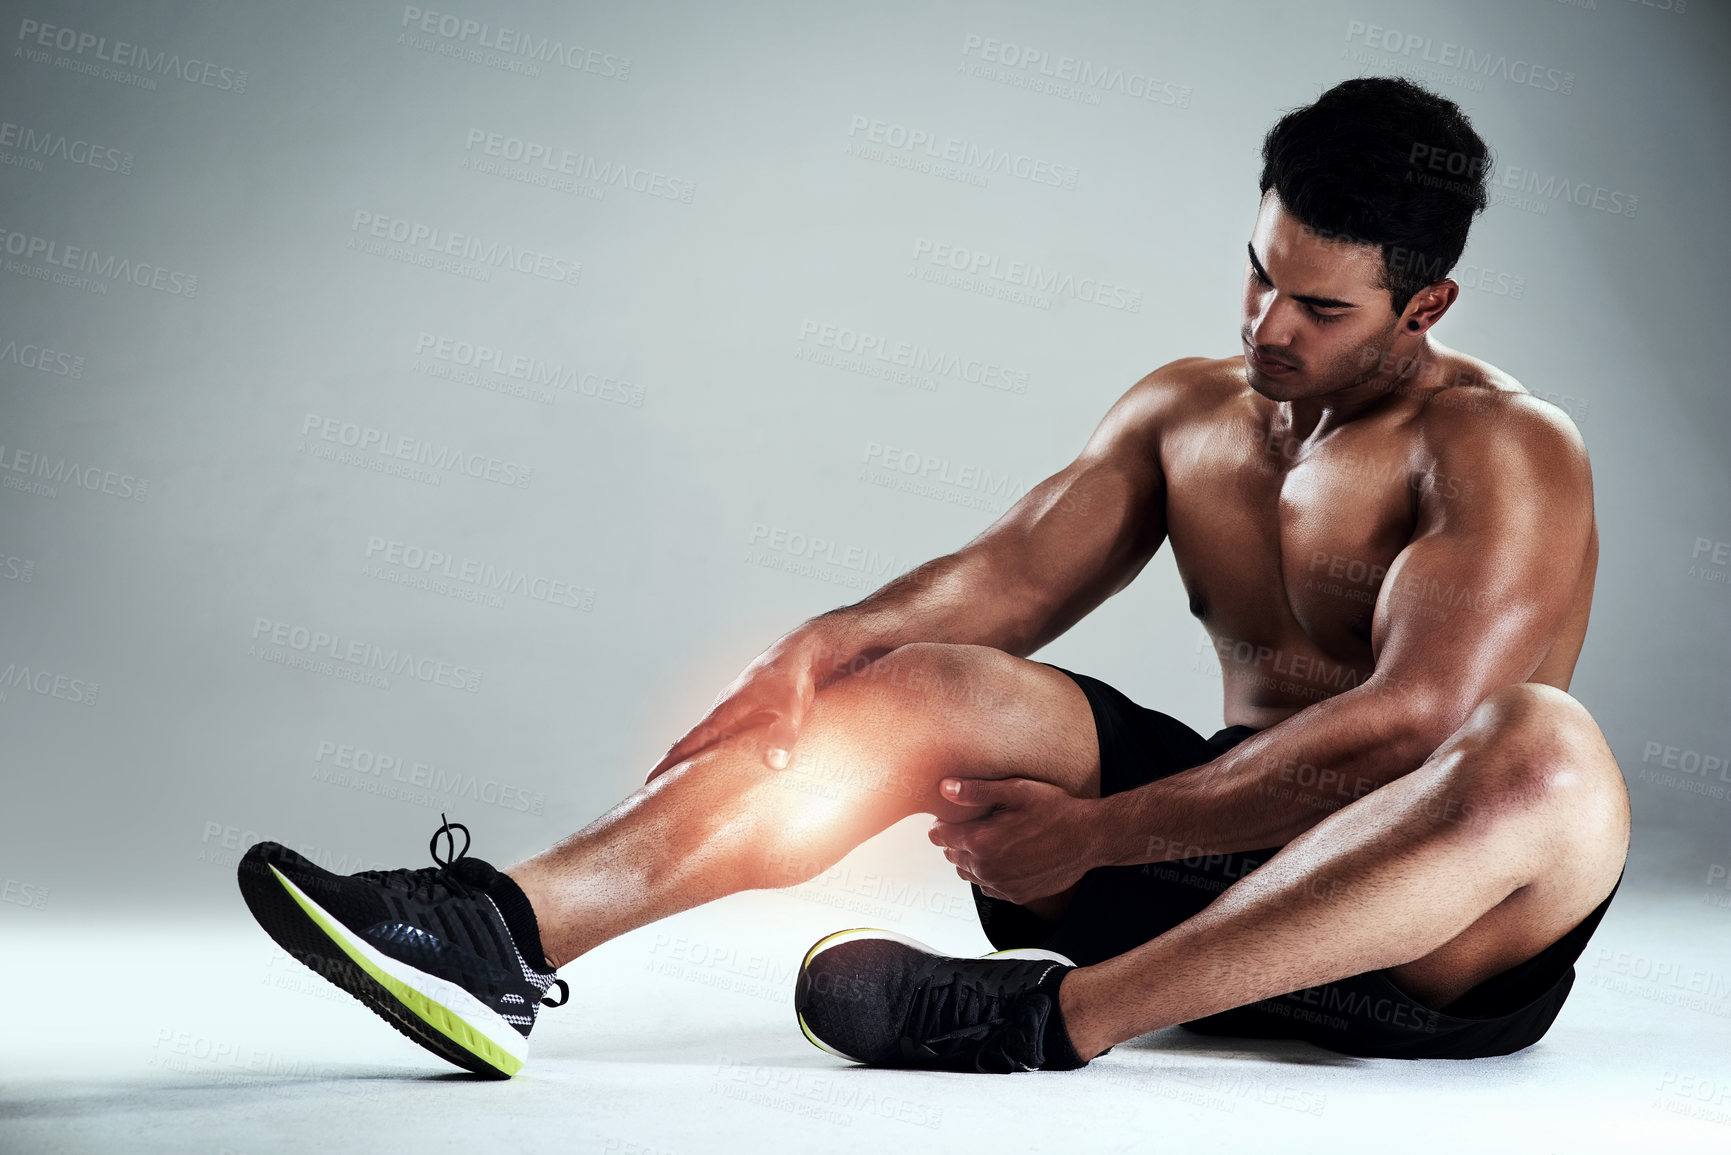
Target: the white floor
pixel 203 1036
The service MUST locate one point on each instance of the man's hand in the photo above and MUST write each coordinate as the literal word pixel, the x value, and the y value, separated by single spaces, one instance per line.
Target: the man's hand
pixel 772 694
pixel 1034 841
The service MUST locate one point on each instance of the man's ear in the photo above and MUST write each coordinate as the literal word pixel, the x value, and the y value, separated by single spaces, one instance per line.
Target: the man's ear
pixel 1428 306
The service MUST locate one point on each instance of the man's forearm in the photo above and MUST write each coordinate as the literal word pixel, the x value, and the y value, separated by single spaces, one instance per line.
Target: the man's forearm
pixel 1067 544
pixel 956 598
pixel 1274 786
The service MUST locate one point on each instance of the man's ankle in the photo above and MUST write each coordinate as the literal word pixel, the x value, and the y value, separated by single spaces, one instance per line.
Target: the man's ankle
pixel 518 911
pixel 1085 1034
pixel 1058 1051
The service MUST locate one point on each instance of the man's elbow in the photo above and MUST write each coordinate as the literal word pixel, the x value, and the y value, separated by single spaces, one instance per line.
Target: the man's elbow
pixel 1419 716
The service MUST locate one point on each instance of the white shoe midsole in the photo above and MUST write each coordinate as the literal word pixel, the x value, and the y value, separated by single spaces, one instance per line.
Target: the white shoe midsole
pixel 447 994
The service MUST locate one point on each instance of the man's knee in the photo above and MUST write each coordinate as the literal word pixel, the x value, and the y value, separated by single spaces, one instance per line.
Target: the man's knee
pixel 984 713
pixel 1531 746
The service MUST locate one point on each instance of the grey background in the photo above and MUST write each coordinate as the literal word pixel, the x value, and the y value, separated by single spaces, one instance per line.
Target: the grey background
pixel 663 508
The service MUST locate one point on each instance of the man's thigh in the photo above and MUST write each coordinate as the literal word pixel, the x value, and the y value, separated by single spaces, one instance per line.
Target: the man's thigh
pixel 1544 745
pixel 1531 757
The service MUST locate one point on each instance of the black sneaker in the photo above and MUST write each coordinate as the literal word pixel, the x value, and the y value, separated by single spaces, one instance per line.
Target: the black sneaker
pixel 873 997
pixel 427 949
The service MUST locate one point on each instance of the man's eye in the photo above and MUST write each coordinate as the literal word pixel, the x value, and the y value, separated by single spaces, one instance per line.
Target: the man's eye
pixel 1325 318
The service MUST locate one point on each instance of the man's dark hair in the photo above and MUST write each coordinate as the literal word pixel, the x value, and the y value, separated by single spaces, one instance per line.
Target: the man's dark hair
pixel 1380 160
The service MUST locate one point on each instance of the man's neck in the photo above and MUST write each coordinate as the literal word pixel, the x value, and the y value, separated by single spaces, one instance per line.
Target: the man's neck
pixel 1400 372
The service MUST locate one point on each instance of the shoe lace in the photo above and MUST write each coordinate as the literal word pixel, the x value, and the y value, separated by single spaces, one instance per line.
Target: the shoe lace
pixel 962 1015
pixel 424 882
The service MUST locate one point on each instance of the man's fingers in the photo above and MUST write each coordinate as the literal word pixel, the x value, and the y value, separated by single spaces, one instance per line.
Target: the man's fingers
pixel 788 721
pixel 669 760
pixel 694 743
pixel 724 720
pixel 976 791
pixel 989 892
pixel 946 833
pixel 712 728
pixel 778 742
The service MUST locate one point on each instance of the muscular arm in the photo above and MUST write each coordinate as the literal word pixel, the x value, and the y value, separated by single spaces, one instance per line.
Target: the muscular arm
pixel 1070 543
pixel 1472 604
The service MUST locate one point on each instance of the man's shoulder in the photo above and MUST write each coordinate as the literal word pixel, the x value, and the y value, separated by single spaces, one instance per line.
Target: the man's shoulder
pixel 1209 373
pixel 1177 395
pixel 1189 386
pixel 1480 414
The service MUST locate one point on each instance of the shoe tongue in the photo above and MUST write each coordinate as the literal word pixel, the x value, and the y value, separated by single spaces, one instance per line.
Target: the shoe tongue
pixel 474 871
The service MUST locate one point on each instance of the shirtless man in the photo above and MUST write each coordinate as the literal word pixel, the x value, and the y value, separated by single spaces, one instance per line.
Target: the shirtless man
pixel 1397 847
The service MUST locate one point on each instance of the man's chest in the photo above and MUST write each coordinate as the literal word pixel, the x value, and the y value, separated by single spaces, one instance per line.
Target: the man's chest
pixel 1268 545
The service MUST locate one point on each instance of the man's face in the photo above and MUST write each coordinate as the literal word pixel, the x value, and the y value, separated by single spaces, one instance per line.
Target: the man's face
pixel 1316 319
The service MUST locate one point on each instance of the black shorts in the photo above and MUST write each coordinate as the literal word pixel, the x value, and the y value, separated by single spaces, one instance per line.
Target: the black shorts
pixel 1117 908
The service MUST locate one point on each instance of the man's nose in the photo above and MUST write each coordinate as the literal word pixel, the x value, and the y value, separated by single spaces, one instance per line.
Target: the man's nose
pixel 1271 324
